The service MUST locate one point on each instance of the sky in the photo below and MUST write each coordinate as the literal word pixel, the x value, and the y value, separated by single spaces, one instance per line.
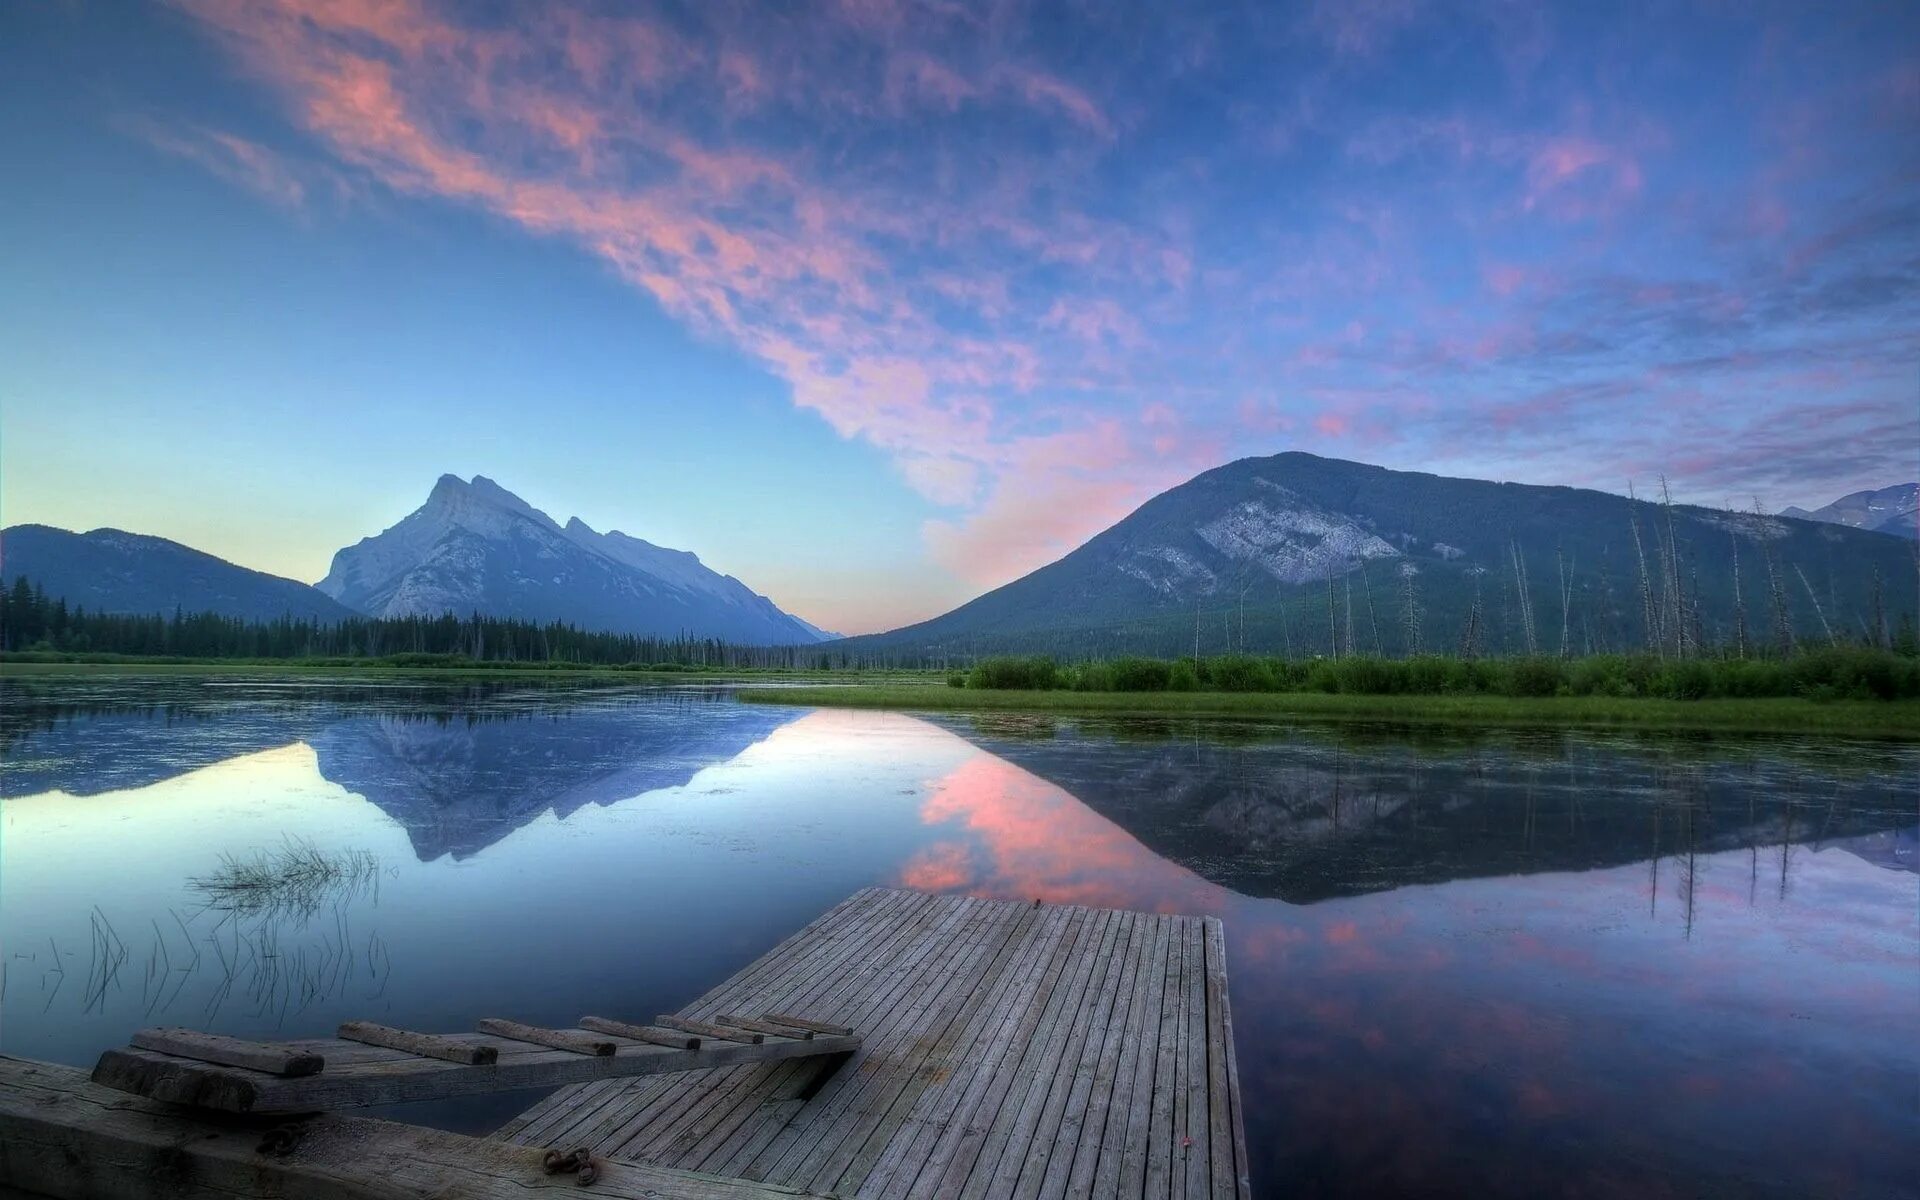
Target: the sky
pixel 879 304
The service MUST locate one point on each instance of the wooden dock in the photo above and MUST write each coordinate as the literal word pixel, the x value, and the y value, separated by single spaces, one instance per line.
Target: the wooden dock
pixel 1010 1050
pixel 901 1046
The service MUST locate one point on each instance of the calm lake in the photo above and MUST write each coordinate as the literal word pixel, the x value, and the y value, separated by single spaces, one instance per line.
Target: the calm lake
pixel 1504 964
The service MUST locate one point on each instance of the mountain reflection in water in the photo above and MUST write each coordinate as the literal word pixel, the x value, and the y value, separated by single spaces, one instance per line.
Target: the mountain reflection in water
pixel 1318 814
pixel 1509 964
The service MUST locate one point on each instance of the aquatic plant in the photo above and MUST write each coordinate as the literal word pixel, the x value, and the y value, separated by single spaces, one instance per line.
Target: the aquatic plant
pixel 294 878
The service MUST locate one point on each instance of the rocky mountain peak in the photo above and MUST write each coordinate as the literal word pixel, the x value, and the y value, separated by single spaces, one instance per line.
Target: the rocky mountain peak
pixel 474 546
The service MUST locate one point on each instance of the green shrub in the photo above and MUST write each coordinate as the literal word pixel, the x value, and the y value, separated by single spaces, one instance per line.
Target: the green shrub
pixel 1236 673
pixel 1434 676
pixel 1034 673
pixel 1141 674
pixel 1323 675
pixel 1847 672
pixel 956 680
pixel 1094 677
pixel 1533 677
pixel 1690 680
pixel 1371 676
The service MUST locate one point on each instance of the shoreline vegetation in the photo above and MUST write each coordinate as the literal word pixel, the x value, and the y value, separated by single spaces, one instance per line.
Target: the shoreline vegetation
pixel 1877 719
pixel 1852 691
pixel 1862 692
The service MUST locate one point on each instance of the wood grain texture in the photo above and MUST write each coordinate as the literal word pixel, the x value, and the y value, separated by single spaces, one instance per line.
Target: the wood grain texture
pixel 398 1077
pixel 652 1034
pixel 1006 1051
pixel 230 1051
pixel 63 1136
pixel 427 1045
pixel 560 1039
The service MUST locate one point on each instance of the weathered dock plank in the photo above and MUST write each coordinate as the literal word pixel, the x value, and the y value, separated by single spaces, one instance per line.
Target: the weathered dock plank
pixel 265 1057
pixel 1007 1050
pixel 65 1137
pixel 427 1045
pixel 370 1075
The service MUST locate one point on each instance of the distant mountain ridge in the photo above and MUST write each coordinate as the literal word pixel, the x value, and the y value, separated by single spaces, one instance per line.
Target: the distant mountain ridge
pixel 1299 554
pixel 474 546
pixel 1894 510
pixel 113 571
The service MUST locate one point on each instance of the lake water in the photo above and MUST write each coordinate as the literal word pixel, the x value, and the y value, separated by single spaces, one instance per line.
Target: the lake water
pixel 1504 964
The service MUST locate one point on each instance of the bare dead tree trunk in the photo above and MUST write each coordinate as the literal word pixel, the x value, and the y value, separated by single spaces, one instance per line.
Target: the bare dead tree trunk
pixel 1674 596
pixel 1597 639
pixel 1348 580
pixel 1333 629
pixel 1409 611
pixel 1524 597
pixel 1566 597
pixel 1373 619
pixel 1739 604
pixel 1243 615
pixel 1879 608
pixel 1776 590
pixel 1656 641
pixel 1470 636
pixel 1695 622
pixel 1817 610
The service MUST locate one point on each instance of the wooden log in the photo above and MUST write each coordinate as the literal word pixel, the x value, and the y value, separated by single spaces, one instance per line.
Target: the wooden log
pixel 804 1023
pixel 66 1138
pixel 427 1045
pixel 177 1080
pixel 766 1027
pixel 708 1029
pixel 399 1077
pixel 559 1039
pixel 229 1051
pixel 642 1033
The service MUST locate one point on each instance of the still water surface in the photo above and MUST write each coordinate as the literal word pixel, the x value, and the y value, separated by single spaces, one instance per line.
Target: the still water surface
pixel 1504 964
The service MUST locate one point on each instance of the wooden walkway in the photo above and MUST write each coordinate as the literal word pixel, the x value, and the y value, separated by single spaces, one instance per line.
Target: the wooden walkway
pixel 1008 1050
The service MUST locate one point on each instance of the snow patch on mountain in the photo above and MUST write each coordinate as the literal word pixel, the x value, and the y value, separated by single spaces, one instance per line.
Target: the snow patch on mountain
pixel 1759 527
pixel 1295 543
pixel 1169 571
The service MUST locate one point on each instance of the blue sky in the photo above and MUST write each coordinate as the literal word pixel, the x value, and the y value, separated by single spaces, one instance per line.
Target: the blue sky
pixel 880 303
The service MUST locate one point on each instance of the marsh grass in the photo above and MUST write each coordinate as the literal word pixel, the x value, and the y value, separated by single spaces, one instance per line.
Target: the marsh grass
pixel 293 879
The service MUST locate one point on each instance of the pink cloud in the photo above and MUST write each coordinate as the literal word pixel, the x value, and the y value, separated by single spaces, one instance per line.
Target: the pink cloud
pixel 235 159
pixel 1576 177
pixel 1096 321
pixel 975 258
pixel 1043 89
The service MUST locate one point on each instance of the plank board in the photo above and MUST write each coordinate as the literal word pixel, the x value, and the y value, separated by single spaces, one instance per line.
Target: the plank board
pixel 358 1075
pixel 63 1136
pixel 265 1057
pixel 427 1045
pixel 1006 1050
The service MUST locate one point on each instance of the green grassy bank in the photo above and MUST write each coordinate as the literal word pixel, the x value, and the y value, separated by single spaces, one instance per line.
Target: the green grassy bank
pixel 1893 719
